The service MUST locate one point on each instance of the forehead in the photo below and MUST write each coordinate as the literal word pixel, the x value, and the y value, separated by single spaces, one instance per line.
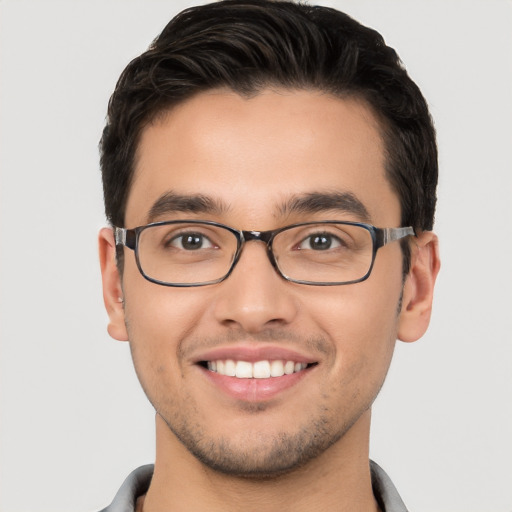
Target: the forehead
pixel 252 155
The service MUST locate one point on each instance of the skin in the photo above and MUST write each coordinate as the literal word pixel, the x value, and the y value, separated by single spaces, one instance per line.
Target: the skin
pixel 307 446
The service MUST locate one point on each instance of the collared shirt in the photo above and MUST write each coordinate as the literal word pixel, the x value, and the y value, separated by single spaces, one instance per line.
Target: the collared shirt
pixel 138 482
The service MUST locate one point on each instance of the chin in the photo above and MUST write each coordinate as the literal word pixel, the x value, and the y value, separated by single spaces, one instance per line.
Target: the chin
pixel 256 455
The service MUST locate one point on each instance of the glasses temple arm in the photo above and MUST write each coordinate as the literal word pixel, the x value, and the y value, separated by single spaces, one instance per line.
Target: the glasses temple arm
pixel 126 237
pixel 388 235
pixel 120 236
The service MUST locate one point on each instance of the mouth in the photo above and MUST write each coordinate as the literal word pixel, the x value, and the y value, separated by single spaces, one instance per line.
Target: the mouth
pixel 263 369
pixel 255 373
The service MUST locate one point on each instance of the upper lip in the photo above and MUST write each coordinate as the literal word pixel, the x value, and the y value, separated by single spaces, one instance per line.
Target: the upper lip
pixel 253 354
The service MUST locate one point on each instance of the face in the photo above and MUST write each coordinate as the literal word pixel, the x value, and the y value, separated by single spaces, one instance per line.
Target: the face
pixel 252 158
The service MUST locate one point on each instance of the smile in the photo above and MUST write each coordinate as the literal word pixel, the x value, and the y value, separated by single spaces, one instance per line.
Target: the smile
pixel 257 370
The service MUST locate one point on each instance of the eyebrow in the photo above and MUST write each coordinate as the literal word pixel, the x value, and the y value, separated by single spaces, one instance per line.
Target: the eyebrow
pixel 317 202
pixel 313 202
pixel 171 202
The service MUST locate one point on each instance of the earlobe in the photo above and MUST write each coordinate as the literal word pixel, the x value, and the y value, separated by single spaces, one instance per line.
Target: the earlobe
pixel 419 287
pixel 112 289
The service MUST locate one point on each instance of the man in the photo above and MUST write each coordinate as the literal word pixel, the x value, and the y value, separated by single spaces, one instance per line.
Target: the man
pixel 247 158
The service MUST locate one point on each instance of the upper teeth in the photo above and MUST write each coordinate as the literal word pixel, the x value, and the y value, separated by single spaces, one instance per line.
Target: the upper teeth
pixel 257 370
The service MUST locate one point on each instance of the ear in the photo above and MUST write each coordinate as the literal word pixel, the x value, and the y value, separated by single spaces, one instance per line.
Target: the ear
pixel 419 287
pixel 112 288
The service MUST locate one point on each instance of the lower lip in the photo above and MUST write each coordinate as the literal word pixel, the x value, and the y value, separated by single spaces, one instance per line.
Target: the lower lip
pixel 255 390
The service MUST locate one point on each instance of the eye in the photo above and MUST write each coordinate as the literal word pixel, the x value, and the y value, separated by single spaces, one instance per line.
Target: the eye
pixel 320 242
pixel 190 242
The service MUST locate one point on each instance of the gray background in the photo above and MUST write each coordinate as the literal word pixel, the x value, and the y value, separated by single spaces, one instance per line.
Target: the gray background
pixel 73 420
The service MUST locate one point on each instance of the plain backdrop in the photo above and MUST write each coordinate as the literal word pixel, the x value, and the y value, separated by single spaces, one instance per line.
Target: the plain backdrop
pixel 74 422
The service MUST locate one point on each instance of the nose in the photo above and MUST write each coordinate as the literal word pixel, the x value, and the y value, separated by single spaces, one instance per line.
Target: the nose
pixel 255 297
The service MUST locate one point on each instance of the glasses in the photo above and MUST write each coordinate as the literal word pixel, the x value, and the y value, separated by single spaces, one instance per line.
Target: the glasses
pixel 199 253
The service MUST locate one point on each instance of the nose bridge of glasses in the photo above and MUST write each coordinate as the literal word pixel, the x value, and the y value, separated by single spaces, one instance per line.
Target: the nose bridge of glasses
pixel 261 236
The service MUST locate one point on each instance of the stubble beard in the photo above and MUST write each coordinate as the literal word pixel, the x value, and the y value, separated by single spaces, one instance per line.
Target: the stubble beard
pixel 264 456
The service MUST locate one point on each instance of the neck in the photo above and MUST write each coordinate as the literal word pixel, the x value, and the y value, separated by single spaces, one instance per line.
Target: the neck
pixel 337 480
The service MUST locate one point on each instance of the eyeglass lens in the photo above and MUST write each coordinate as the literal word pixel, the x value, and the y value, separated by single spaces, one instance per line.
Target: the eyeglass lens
pixel 194 253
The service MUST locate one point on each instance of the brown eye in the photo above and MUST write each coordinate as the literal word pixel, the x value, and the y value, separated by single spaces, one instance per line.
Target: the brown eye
pixel 191 242
pixel 320 242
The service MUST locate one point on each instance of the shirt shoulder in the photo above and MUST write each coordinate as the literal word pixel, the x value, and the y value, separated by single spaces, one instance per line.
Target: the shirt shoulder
pixel 135 485
pixel 384 491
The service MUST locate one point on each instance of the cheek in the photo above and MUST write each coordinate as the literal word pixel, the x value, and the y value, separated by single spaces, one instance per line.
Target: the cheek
pixel 158 319
pixel 158 313
pixel 362 321
pixel 157 322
